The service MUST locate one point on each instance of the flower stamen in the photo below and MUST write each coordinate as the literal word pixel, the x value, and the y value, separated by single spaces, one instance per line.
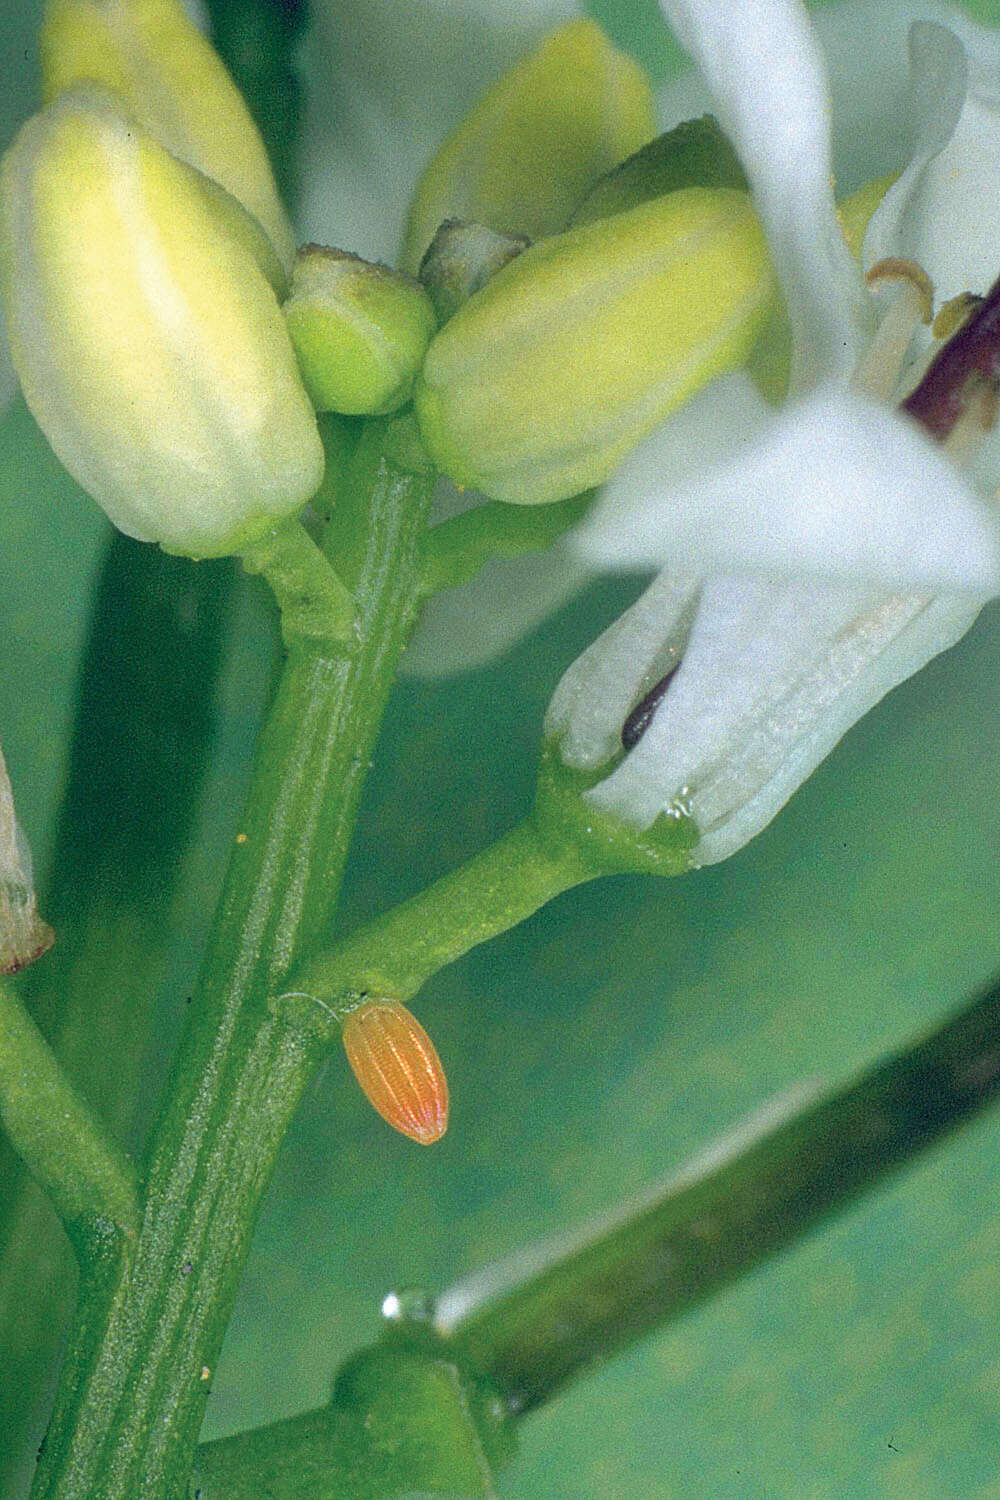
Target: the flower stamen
pixel 913 303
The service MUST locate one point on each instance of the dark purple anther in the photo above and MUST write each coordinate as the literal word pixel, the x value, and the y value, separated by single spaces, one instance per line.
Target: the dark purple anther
pixel 641 717
pixel 942 395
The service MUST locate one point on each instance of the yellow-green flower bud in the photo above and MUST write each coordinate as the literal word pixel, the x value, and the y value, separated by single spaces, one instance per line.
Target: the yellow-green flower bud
pixel 150 347
pixel 535 143
pixel 360 331
pixel 460 260
pixel 176 87
pixel 546 378
pixel 695 153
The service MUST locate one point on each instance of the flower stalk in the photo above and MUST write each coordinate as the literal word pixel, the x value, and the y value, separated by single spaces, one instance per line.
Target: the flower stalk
pixel 133 1390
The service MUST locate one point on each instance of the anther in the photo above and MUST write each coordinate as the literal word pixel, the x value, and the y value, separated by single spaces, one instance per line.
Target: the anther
pixel 641 717
pixel 912 304
pixel 948 386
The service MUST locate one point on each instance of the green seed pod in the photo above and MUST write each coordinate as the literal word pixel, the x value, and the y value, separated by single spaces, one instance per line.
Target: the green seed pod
pixel 175 86
pixel 552 373
pixel 150 346
pixel 536 142
pixel 360 331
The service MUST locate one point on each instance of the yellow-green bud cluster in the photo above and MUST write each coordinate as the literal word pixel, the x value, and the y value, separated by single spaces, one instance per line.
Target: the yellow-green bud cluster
pixel 360 331
pixel 545 379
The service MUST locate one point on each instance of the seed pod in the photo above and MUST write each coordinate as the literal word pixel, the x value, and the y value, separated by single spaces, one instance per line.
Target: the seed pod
pixel 531 148
pixel 545 379
pixel 396 1064
pixel 175 86
pixel 150 346
pixel 360 331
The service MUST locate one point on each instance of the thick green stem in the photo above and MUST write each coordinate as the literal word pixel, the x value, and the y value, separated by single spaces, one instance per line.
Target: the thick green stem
pixel 139 750
pixel 131 1402
pixel 58 1136
pixel 315 605
pixel 396 954
pixel 558 1311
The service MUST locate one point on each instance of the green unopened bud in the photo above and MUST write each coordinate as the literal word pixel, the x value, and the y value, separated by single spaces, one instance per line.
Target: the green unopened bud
pixel 176 87
pixel 543 382
pixel 150 347
pixel 536 142
pixel 694 154
pixel 360 331
pixel 460 260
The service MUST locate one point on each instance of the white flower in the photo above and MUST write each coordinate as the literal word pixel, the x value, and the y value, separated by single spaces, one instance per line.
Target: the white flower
pixel 785 532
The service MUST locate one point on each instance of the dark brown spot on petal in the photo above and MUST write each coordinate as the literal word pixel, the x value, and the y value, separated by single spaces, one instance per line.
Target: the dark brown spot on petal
pixel 641 717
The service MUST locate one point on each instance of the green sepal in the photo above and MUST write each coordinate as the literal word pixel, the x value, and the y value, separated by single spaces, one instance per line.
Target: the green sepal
pixel 604 844
pixel 693 154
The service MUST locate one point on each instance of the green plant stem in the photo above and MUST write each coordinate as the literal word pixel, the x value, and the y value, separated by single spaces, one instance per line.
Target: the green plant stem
pixel 63 1144
pixel 555 1311
pixel 558 1311
pixel 315 605
pixel 139 750
pixel 396 954
pixel 456 549
pixel 146 1339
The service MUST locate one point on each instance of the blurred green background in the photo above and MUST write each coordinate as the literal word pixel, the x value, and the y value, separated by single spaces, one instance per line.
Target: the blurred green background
pixel 595 1049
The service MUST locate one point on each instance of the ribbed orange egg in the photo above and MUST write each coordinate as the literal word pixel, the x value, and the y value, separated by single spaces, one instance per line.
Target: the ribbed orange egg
pixel 397 1066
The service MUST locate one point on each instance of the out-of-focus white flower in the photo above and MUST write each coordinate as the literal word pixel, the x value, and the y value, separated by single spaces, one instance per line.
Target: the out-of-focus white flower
pixel 820 554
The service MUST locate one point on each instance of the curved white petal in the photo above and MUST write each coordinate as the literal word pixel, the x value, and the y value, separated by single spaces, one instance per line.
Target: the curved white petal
pixel 765 70
pixel 384 83
pixel 830 487
pixel 772 677
pixel 943 210
pixel 938 82
pixel 600 689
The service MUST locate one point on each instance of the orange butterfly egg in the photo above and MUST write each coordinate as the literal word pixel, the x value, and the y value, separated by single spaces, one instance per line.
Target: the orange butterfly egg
pixel 397 1066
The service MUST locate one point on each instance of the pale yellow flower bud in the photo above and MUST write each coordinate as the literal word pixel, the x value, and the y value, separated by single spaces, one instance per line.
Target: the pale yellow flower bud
pixel 150 346
pixel 545 379
pixel 537 141
pixel 360 331
pixel 176 87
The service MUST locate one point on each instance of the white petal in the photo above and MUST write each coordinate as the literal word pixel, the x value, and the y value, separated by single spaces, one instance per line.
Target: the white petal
pixel 764 67
pixel 771 679
pixel 939 76
pixel 633 522
pixel 384 85
pixel 831 487
pixel 944 209
pixel 600 689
